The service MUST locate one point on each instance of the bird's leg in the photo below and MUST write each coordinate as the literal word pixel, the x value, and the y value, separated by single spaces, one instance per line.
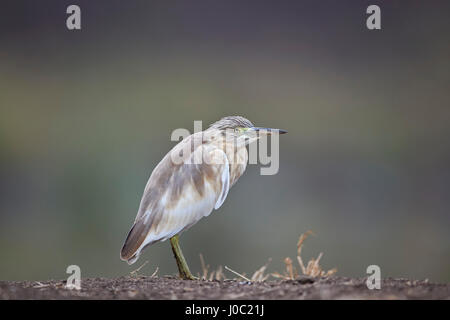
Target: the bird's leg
pixel 183 268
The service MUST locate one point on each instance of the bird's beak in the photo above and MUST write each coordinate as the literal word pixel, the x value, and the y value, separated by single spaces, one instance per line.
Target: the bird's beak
pixel 268 131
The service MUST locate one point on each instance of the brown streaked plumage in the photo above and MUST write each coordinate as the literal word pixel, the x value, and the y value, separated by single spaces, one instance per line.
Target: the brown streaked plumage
pixel 188 183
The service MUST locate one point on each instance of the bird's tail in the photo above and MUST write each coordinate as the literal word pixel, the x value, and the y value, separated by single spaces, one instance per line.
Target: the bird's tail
pixel 131 249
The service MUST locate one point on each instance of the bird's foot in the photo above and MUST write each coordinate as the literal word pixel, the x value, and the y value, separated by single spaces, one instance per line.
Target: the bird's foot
pixel 187 276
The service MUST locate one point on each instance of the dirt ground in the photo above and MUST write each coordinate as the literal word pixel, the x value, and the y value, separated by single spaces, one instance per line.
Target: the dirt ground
pixel 172 288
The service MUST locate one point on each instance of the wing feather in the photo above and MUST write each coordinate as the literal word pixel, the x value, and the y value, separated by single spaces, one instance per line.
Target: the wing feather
pixel 225 182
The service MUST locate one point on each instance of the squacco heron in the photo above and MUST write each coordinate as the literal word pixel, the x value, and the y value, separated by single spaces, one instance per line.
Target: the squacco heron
pixel 188 183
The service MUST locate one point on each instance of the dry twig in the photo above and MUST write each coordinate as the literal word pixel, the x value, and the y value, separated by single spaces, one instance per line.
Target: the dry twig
pixel 312 269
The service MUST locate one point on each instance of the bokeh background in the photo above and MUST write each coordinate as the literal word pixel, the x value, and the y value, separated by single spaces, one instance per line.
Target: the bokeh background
pixel 86 115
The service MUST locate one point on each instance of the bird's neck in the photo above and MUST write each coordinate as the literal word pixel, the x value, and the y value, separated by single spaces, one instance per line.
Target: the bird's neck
pixel 237 156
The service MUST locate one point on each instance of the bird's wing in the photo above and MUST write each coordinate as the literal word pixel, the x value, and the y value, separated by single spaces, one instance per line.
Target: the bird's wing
pixel 178 195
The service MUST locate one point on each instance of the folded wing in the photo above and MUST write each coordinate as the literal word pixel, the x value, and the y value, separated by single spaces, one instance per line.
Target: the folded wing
pixel 178 195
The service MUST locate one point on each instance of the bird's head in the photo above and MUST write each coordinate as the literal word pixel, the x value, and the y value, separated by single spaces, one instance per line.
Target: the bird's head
pixel 243 128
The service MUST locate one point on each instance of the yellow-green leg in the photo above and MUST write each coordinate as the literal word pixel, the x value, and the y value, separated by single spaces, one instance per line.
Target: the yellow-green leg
pixel 183 268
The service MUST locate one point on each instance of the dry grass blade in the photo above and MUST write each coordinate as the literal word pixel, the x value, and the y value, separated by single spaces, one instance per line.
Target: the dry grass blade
pixel 238 274
pixel 134 273
pixel 154 273
pixel 279 276
pixel 259 274
pixel 205 268
pixel 289 268
pixel 210 276
pixel 40 285
pixel 219 274
pixel 330 272
pixel 302 238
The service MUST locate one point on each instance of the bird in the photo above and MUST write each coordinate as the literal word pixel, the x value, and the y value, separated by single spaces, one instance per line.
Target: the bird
pixel 190 182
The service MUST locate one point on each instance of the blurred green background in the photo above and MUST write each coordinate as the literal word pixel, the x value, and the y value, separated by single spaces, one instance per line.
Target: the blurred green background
pixel 86 115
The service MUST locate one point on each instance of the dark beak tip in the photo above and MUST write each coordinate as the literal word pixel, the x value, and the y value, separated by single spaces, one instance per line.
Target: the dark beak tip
pixel 270 129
